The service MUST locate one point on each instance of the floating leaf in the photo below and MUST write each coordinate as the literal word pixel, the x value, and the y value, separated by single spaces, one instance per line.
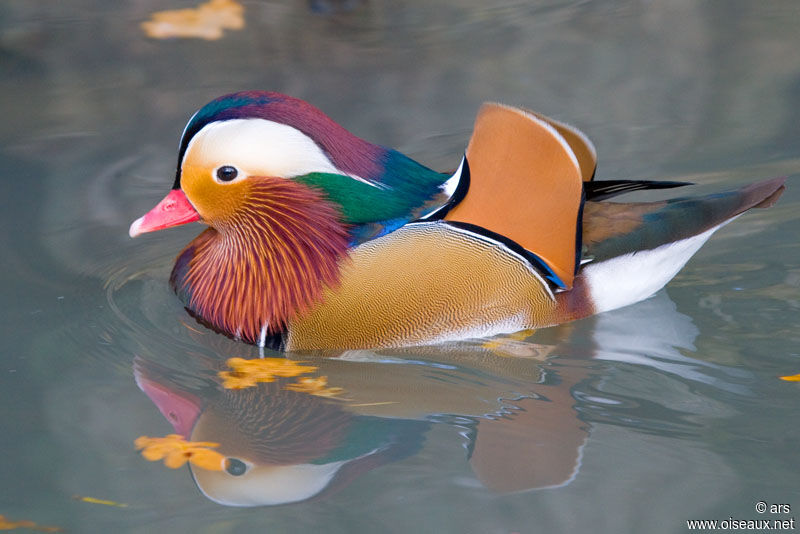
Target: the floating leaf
pixel 791 378
pixel 314 386
pixel 7 524
pixel 176 451
pixel 206 21
pixel 94 500
pixel 207 459
pixel 247 373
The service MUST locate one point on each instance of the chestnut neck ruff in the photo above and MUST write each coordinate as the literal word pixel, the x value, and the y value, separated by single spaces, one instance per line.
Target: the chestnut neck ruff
pixel 251 275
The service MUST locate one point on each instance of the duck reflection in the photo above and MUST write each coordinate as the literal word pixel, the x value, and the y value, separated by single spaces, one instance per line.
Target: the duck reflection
pixel 326 419
pixel 282 445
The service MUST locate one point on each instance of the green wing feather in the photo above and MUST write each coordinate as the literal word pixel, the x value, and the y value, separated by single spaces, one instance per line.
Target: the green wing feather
pixel 375 210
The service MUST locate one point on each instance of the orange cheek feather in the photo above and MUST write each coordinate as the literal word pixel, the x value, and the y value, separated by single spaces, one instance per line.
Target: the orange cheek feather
pixel 216 203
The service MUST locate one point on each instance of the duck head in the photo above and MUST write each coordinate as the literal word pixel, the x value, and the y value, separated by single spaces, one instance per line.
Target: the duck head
pixel 285 192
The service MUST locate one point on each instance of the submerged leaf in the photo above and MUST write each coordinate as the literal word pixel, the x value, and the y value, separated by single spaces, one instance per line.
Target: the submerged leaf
pixel 206 21
pixel 175 459
pixel 247 373
pixel 94 500
pixel 207 459
pixel 176 451
pixel 7 524
pixel 314 386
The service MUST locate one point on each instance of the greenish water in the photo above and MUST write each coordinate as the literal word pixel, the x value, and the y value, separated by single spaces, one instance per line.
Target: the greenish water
pixel 633 421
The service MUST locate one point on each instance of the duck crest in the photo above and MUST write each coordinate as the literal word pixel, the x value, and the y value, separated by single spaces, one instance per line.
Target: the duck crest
pixel 250 277
pixel 347 152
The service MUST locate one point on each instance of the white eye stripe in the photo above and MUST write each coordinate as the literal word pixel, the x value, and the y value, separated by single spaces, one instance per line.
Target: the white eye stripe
pixel 258 147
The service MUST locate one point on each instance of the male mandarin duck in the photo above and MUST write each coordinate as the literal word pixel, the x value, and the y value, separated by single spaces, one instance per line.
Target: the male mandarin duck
pixel 318 239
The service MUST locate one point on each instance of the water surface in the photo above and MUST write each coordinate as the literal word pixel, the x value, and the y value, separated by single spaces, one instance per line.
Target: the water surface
pixel 633 421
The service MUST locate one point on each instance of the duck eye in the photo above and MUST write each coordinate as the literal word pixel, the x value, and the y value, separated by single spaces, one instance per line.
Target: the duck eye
pixel 235 467
pixel 226 173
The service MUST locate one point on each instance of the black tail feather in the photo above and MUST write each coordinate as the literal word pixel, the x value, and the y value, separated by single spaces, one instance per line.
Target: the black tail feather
pixel 603 189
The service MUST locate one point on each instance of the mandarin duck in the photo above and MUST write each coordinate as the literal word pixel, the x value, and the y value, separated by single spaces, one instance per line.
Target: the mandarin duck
pixel 318 239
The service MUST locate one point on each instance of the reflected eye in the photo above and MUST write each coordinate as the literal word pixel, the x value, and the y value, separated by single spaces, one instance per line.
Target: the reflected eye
pixel 226 173
pixel 235 467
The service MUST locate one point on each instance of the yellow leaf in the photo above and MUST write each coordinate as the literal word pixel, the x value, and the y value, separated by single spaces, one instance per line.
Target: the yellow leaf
pixel 154 454
pixel 792 378
pixel 247 373
pixel 314 386
pixel 94 500
pixel 207 459
pixel 206 21
pixel 238 380
pixel 202 444
pixel 7 524
pixel 176 459
pixel 176 451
